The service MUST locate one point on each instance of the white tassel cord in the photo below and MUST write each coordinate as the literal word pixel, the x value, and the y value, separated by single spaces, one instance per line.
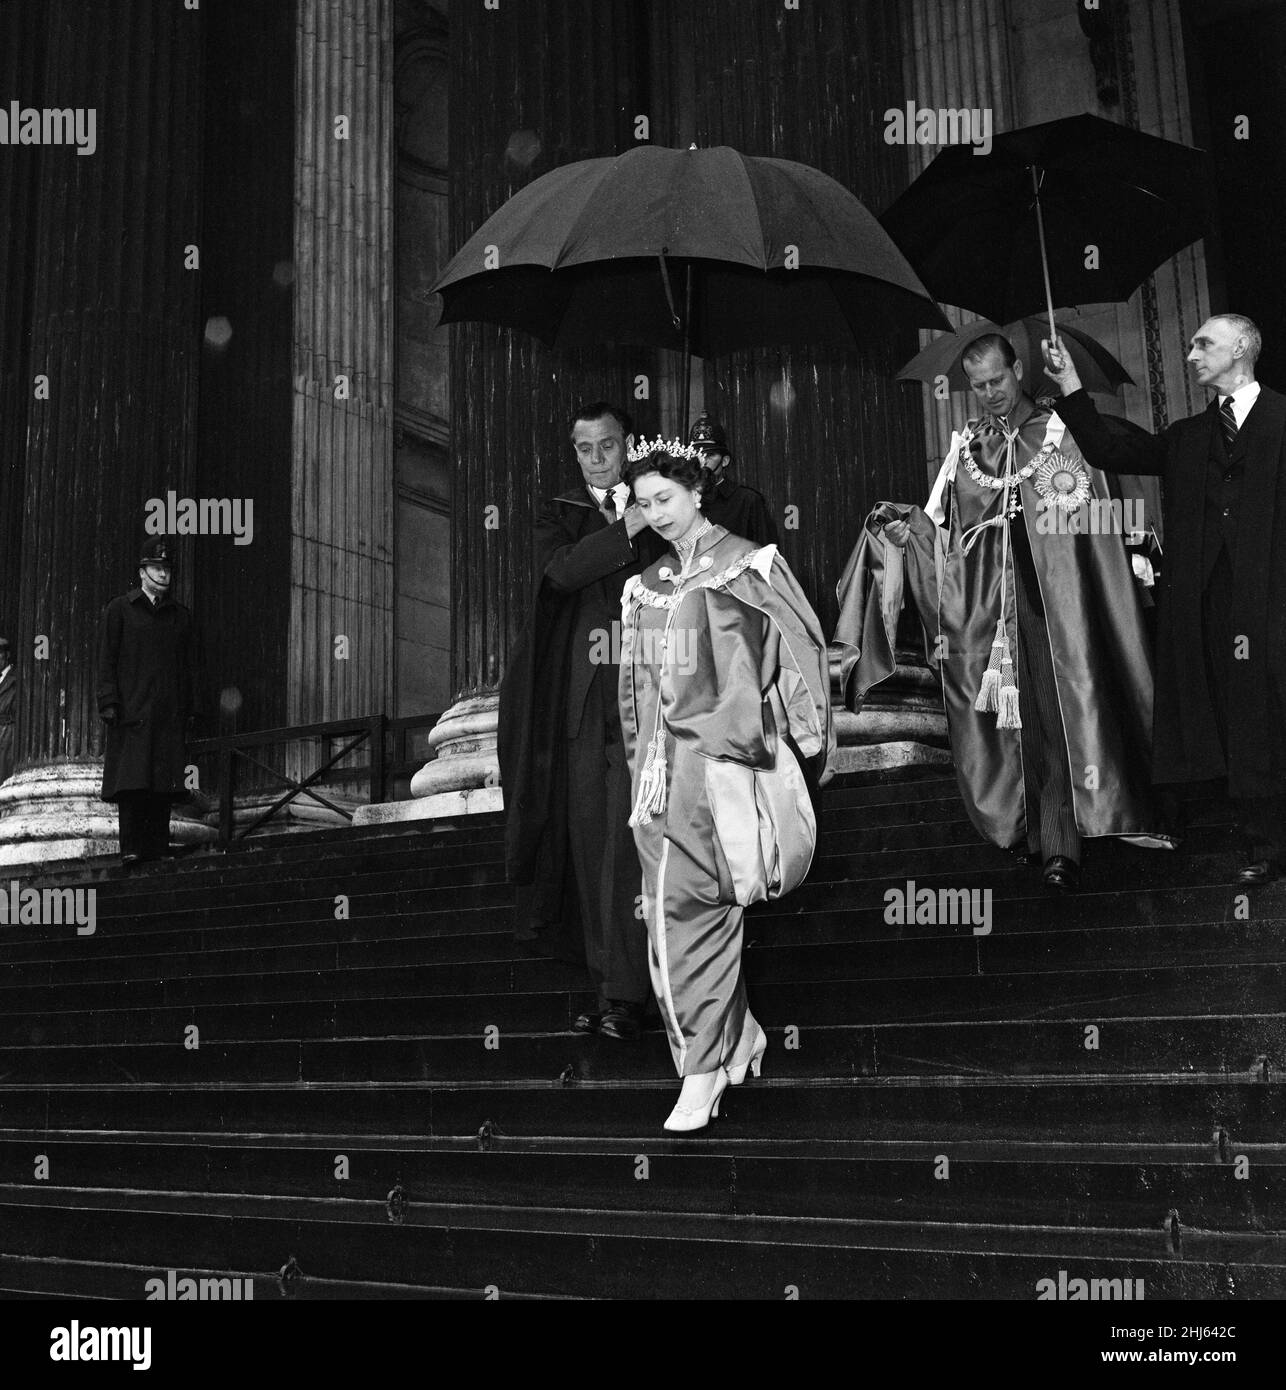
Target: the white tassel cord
pixel 998 691
pixel 652 782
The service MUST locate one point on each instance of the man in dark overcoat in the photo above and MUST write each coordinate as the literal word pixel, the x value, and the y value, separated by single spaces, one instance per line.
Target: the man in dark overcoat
pixel 146 664
pixel 562 759
pixel 1220 709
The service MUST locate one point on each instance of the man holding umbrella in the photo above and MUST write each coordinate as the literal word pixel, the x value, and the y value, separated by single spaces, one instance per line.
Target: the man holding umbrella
pixel 1221 628
pixel 1039 630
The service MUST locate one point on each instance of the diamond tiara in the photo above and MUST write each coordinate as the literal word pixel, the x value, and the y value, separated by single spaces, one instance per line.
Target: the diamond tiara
pixel 676 448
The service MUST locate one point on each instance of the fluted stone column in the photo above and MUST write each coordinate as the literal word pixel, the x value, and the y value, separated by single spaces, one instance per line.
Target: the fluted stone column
pixel 341 577
pixel 110 371
pixel 513 119
pixel 953 56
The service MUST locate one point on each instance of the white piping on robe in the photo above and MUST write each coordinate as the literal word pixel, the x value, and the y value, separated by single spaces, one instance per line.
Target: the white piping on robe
pixel 663 955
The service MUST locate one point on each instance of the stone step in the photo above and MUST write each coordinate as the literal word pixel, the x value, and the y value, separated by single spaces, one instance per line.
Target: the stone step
pixel 1237 1046
pixel 50 1277
pixel 842 882
pixel 375 1002
pixel 491 960
pixel 873 1180
pixel 614 1253
pixel 1024 910
pixel 1162 1109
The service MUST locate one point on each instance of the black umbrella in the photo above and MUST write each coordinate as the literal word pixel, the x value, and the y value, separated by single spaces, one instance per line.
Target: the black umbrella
pixel 1102 203
pixel 1097 368
pixel 703 251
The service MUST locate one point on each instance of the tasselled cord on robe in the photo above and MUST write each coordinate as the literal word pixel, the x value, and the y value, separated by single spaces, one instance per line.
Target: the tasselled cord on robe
pixel 999 690
pixel 652 783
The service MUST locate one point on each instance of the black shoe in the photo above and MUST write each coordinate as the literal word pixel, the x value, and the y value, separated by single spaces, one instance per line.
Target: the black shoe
pixel 1062 875
pixel 1257 873
pixel 622 1021
pixel 589 1022
pixel 128 861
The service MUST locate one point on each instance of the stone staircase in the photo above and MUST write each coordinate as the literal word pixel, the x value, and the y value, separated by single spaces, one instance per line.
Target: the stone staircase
pixel 392 1104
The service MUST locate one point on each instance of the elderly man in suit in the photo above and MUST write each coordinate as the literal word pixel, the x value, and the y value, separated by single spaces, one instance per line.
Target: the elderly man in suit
pixel 1220 708
pixel 562 757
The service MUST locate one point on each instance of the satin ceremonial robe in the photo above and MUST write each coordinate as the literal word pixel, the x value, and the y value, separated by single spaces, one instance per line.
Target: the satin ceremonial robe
pixel 1098 643
pixel 715 674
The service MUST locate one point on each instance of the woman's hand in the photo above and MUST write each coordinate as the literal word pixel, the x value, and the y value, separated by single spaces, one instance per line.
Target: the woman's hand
pixel 899 532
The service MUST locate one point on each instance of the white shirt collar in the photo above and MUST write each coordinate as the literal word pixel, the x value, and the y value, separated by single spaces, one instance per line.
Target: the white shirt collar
pixel 620 492
pixel 1242 399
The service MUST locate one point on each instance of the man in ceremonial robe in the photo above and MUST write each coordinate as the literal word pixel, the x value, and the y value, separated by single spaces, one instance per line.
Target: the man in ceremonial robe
pixel 562 758
pixel 732 505
pixel 1221 611
pixel 1042 648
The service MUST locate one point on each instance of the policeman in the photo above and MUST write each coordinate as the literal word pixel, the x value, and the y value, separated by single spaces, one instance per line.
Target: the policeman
pixel 146 687
pixel 737 508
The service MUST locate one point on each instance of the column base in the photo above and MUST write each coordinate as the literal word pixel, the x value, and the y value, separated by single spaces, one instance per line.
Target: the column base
pixel 465 740
pixel 471 801
pixel 901 723
pixel 54 812
pixel 298 816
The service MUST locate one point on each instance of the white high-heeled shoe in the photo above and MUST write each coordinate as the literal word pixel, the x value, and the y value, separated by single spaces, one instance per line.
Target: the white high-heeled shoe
pixel 737 1070
pixel 687 1116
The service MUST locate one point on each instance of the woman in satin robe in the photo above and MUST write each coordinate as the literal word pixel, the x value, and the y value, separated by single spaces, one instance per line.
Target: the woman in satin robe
pixel 722 657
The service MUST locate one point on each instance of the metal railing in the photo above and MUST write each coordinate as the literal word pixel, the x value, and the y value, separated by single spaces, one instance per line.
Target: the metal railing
pixel 386 739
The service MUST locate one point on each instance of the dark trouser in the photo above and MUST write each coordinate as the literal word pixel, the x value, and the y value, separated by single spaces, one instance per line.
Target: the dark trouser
pixel 1262 819
pixel 144 822
pixel 1047 781
pixel 605 861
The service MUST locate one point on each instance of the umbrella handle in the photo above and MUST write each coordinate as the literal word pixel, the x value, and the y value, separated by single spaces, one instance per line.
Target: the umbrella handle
pixel 669 293
pixel 1044 256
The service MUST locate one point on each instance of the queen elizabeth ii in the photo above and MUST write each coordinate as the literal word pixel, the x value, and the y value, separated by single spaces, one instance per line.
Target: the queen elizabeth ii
pixel 724 688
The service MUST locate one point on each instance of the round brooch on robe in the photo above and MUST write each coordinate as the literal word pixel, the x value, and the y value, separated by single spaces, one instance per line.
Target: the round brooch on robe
pixel 1062 483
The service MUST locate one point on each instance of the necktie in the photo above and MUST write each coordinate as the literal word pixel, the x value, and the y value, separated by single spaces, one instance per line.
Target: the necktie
pixel 1228 423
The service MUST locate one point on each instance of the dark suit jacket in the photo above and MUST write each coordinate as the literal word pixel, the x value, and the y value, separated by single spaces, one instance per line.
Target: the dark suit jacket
pixel 582 563
pixel 1186 745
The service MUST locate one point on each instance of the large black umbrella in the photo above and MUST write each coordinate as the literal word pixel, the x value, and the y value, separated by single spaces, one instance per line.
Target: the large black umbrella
pixel 1100 203
pixel 703 251
pixel 1097 368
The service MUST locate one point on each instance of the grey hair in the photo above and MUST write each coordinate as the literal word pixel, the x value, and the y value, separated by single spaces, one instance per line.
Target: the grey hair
pixel 1245 328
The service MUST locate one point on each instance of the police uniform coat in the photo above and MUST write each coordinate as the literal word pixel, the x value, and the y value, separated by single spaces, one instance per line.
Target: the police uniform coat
pixel 739 509
pixel 146 668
